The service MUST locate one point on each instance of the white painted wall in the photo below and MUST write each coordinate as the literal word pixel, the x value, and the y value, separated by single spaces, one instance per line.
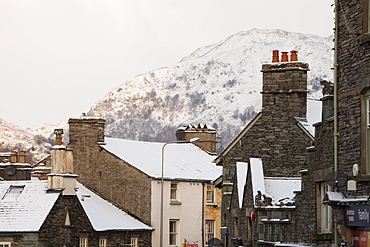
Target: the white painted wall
pixel 189 213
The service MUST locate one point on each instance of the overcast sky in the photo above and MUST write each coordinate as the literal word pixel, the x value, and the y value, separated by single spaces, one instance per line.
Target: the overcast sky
pixel 58 57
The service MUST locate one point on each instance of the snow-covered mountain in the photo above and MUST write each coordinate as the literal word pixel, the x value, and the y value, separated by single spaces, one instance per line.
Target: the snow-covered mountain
pixel 219 85
pixel 13 137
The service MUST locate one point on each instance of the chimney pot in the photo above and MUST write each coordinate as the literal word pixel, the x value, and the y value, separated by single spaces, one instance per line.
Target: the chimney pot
pixel 284 57
pixel 293 56
pixel 275 56
pixel 14 157
pixel 22 157
pixel 58 136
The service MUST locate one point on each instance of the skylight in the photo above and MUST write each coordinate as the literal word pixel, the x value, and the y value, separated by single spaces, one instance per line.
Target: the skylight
pixel 13 191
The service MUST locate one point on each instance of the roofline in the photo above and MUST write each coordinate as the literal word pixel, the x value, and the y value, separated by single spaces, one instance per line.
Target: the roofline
pixel 238 137
pixel 127 230
pixel 305 130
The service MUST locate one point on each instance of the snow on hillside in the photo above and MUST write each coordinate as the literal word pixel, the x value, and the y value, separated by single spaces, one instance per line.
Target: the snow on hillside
pixel 219 84
pixel 14 138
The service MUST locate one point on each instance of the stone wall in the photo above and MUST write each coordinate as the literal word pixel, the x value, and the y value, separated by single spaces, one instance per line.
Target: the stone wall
pixel 54 232
pixel 105 173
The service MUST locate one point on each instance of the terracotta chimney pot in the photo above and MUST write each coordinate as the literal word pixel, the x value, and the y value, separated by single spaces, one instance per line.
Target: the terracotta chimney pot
pixel 284 57
pixel 293 56
pixel 22 157
pixel 275 56
pixel 14 157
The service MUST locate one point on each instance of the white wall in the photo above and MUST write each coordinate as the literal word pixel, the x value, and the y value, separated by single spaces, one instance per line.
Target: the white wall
pixel 189 213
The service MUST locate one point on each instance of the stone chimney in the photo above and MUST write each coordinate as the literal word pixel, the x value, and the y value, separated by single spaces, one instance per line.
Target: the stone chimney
pixel 86 135
pixel 206 135
pixel 61 176
pixel 285 86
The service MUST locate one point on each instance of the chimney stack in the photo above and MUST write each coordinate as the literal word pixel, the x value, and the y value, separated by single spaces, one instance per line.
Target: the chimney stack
pixel 285 86
pixel 206 135
pixel 61 176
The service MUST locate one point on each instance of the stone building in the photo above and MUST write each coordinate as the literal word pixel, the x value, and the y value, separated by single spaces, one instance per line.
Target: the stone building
pixel 13 166
pixel 347 135
pixel 279 137
pixel 168 186
pixel 63 212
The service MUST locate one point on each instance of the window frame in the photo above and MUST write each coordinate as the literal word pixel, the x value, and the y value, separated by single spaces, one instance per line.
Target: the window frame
pixel 103 242
pixel 173 232
pixel 5 244
pixel 210 224
pixel 84 242
pixel 134 242
pixel 174 191
pixel 324 215
pixel 210 193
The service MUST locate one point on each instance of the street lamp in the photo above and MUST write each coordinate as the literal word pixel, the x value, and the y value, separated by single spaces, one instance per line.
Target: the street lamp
pixel 192 140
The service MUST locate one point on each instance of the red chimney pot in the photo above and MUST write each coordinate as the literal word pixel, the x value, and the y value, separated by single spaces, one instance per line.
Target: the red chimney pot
pixel 284 57
pixel 293 56
pixel 275 56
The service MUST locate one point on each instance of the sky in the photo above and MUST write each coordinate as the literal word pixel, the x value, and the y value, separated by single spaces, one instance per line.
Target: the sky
pixel 59 57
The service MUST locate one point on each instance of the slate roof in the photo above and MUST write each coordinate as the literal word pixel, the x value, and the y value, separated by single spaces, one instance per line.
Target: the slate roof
pixel 181 161
pixel 24 206
pixel 25 211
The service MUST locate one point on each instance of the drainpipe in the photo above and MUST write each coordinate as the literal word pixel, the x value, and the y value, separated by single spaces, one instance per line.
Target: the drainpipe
pixel 203 213
pixel 336 106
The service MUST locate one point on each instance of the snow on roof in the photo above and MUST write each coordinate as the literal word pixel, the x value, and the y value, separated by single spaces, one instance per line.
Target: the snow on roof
pixel 242 171
pixel 279 189
pixel 103 215
pixel 24 210
pixel 282 189
pixel 257 176
pixel 181 161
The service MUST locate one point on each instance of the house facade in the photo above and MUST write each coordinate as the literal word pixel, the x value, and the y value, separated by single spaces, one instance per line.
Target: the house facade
pixel 129 173
pixel 347 135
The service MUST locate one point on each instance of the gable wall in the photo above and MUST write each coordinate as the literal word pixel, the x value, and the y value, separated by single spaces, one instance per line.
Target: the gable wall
pixel 105 173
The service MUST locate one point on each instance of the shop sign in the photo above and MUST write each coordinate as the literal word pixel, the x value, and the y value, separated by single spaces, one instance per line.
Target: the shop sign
pixel 357 215
pixel 361 239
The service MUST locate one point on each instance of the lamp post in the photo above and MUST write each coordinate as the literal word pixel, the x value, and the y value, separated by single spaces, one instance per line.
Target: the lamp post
pixel 192 140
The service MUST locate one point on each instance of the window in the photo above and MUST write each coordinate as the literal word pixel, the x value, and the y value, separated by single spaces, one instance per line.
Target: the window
pixel 210 229
pixel 324 212
pixel 5 244
pixel 173 232
pixel 13 191
pixel 103 242
pixel 173 193
pixel 134 242
pixel 83 242
pixel 210 193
